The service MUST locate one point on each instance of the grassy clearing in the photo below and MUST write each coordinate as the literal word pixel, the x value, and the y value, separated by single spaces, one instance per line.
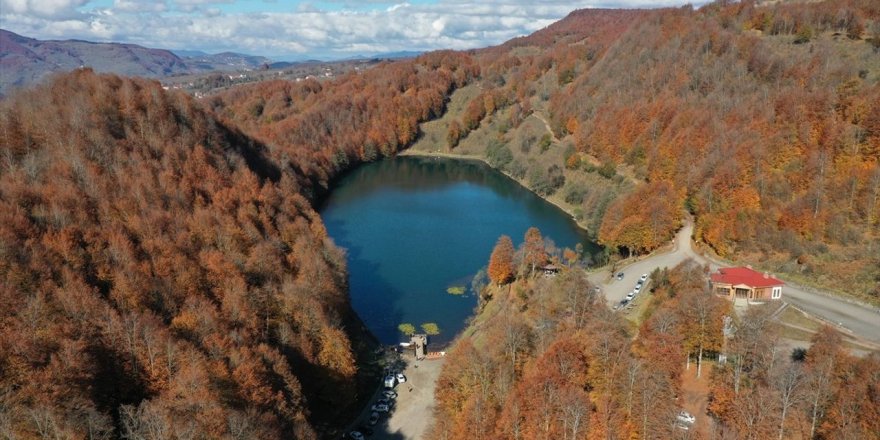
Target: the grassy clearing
pixel 799 326
pixel 795 317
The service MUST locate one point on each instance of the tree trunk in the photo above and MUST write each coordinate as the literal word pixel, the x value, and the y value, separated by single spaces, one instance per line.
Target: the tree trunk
pixel 815 416
pixel 782 423
pixel 700 362
pixel 737 372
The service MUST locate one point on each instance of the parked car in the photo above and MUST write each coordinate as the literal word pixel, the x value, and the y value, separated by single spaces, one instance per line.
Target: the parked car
pixel 390 381
pixel 356 435
pixel 630 296
pixel 685 417
pixel 644 277
pixel 366 430
pixel 389 394
pixel 638 288
pixel 624 302
pixel 386 402
pixel 380 408
pixel 374 418
pixel 619 276
pixel 401 378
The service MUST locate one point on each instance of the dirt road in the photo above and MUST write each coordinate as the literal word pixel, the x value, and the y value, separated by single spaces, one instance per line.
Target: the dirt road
pixel 860 320
pixel 413 411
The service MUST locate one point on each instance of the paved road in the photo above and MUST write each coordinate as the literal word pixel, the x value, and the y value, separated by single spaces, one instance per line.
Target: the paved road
pixel 862 321
pixel 617 290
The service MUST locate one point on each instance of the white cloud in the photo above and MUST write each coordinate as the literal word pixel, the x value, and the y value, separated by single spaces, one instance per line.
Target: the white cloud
pixel 136 6
pixel 397 6
pixel 304 31
pixel 50 9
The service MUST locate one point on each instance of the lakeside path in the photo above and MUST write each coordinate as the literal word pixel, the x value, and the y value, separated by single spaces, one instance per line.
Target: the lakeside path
pixel 861 320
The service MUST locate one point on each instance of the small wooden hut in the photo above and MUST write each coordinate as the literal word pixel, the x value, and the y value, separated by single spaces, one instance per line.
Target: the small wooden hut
pixel 419 341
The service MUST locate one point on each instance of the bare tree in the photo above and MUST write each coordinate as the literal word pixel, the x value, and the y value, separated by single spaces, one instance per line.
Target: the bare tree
pixel 788 381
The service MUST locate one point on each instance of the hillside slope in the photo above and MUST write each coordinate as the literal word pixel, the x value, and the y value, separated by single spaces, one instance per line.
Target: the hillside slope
pixel 159 272
pixel 762 122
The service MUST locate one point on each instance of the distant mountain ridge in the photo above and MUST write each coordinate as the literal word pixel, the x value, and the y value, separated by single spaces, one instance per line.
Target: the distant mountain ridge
pixel 224 61
pixel 25 60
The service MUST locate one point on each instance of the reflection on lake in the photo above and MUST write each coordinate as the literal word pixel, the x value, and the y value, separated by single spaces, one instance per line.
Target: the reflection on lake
pixel 414 227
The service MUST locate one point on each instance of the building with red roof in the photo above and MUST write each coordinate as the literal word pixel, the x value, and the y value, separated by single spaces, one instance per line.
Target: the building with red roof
pixel 745 283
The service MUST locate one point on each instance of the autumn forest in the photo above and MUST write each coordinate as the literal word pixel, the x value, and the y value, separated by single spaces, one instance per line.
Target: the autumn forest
pixel 164 272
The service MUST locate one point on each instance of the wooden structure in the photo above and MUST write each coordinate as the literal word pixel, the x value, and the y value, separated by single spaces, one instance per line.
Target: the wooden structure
pixel 419 341
pixel 550 270
pixel 745 283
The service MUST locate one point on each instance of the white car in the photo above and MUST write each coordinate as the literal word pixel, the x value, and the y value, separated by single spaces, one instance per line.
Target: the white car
pixel 638 288
pixel 644 277
pixel 380 408
pixel 390 382
pixel 356 435
pixel 685 417
pixel 401 378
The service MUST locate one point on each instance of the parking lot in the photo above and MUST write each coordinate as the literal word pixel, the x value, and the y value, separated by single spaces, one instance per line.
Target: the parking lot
pixel 412 412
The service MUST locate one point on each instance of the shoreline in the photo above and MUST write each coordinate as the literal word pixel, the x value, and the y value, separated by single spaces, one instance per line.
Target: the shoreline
pixel 418 153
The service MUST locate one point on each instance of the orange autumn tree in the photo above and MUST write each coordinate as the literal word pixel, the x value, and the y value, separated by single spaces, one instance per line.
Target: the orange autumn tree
pixel 644 220
pixel 534 254
pixel 501 261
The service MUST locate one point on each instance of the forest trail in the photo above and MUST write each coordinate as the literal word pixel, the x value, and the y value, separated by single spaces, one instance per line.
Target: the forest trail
pixel 695 394
pixel 541 118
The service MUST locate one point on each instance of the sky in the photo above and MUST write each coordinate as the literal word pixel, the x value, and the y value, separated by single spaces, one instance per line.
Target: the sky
pixel 290 30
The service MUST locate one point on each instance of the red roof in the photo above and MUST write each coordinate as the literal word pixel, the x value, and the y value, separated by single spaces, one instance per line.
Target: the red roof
pixel 744 275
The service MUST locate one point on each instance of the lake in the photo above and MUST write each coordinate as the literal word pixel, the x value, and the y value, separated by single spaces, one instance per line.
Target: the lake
pixel 415 226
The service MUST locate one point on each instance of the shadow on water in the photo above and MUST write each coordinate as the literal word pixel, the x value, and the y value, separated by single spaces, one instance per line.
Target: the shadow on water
pixel 375 296
pixel 418 174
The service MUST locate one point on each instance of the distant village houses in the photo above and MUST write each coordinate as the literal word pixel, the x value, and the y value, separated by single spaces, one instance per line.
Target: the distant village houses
pixel 745 283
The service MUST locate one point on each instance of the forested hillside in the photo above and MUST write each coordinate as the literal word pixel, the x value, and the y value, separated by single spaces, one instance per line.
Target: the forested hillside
pixel 158 272
pixel 547 359
pixel 317 129
pixel 761 121
pixel 164 273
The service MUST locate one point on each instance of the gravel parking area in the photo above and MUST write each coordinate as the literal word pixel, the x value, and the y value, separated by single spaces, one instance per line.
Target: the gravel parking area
pixel 413 412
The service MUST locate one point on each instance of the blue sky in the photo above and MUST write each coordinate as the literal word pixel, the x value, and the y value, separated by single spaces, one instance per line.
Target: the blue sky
pixel 283 29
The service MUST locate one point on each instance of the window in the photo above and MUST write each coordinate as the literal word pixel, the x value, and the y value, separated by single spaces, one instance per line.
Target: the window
pixel 777 292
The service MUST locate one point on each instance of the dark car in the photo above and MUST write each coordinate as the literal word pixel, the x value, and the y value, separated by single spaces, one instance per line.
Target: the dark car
pixel 374 418
pixel 366 430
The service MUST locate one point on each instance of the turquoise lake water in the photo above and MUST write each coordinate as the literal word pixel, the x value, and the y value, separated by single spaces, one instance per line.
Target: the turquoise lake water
pixel 414 227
